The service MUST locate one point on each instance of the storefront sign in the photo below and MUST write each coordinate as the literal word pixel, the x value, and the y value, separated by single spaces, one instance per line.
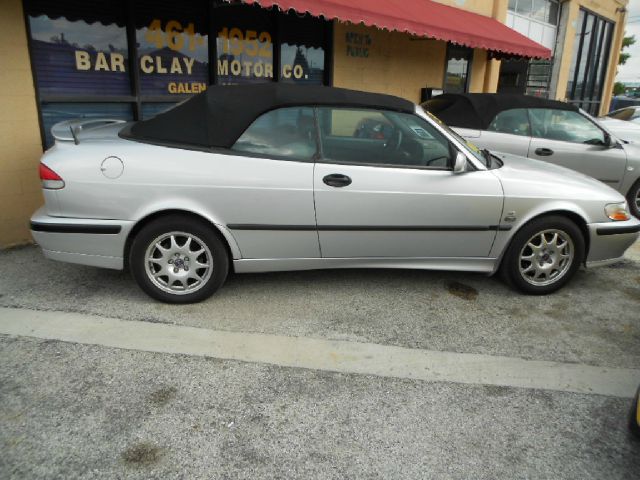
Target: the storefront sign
pixel 171 61
pixel 80 52
pixel 358 44
pixel 172 58
pixel 248 55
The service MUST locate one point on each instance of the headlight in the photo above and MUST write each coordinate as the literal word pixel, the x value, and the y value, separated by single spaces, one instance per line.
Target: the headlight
pixel 617 212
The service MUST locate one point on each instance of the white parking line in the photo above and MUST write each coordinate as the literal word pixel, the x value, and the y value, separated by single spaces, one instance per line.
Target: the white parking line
pixel 318 354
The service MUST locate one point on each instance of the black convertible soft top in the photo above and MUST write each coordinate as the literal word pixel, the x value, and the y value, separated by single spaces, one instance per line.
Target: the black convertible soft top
pixel 218 116
pixel 477 110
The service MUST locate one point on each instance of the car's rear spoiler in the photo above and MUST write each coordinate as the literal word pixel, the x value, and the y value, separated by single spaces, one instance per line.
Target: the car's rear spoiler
pixel 68 130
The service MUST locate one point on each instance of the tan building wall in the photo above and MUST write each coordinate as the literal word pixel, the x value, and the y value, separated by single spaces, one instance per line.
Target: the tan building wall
pixel 399 64
pixel 394 63
pixel 609 9
pixel 20 144
pixel 483 7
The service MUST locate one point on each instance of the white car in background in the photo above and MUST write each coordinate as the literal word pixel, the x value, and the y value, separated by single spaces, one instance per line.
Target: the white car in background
pixel 548 130
pixel 624 123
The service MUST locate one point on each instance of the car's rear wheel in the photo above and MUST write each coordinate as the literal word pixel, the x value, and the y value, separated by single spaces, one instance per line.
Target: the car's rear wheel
pixel 633 199
pixel 544 255
pixel 178 259
pixel 634 415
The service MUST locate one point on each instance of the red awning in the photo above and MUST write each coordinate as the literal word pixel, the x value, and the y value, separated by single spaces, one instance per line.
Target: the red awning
pixel 423 18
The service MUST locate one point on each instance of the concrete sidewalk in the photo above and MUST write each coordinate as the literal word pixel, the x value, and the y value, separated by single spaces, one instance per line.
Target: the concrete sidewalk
pixel 327 355
pixel 84 411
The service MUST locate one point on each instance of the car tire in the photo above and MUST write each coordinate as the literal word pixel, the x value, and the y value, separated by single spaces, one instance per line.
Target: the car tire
pixel 543 255
pixel 633 199
pixel 634 416
pixel 177 259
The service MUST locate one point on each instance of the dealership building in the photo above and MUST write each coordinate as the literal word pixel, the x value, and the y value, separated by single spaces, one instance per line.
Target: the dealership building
pixel 131 59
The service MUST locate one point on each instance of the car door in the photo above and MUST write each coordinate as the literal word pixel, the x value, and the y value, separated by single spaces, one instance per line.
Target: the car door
pixel 399 197
pixel 268 186
pixel 570 139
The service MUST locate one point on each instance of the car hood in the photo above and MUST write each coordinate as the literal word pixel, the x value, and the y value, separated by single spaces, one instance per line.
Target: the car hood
pixel 622 129
pixel 521 176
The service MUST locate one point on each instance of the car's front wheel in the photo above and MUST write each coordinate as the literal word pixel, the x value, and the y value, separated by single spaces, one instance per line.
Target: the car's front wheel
pixel 544 255
pixel 178 259
pixel 633 199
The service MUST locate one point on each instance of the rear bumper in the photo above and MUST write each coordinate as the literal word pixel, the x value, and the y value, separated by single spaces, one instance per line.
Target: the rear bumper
pixel 608 241
pixel 87 241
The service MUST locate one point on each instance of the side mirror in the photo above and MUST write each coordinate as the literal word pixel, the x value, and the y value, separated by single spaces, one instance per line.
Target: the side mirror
pixel 460 164
pixel 609 141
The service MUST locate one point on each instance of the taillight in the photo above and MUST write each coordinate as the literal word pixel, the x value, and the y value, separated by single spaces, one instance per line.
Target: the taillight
pixel 50 179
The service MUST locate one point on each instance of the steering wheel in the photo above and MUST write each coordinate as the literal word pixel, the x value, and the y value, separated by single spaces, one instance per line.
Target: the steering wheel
pixel 393 144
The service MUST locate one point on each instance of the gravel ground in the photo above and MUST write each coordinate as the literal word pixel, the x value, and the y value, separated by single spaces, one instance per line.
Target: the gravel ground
pixel 593 321
pixel 81 411
pixel 77 411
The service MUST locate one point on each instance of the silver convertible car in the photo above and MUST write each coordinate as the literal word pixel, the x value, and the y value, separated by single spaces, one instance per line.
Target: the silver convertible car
pixel 548 130
pixel 281 177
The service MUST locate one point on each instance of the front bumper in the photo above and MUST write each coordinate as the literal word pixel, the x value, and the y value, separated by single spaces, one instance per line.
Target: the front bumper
pixel 608 241
pixel 87 241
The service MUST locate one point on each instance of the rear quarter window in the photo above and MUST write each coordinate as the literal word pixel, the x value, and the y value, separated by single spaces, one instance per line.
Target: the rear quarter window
pixel 285 133
pixel 514 122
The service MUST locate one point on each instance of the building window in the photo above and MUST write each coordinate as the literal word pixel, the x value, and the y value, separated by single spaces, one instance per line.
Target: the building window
pixel 172 47
pixel 591 48
pixel 244 44
pixel 456 78
pixel 302 49
pixel 134 59
pixel 55 112
pixel 74 53
pixel 541 10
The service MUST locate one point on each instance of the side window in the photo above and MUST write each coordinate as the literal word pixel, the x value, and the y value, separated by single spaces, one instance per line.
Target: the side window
pixel 374 137
pixel 515 122
pixel 287 133
pixel 565 125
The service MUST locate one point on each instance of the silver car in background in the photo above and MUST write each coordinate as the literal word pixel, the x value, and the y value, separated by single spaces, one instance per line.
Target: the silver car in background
pixel 282 177
pixel 548 130
pixel 623 123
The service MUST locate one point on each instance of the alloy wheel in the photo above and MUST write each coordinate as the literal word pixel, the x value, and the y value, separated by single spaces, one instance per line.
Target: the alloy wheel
pixel 546 257
pixel 178 263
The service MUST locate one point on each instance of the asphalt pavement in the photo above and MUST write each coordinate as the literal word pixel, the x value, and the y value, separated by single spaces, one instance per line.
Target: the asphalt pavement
pixel 79 410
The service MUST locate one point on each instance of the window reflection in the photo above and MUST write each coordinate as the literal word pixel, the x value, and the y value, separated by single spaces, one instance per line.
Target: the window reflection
pixel 302 49
pixel 588 63
pixel 244 45
pixel 53 113
pixel 80 53
pixel 172 47
pixel 541 10
pixel 457 72
pixel 302 64
pixel 73 55
pixel 152 109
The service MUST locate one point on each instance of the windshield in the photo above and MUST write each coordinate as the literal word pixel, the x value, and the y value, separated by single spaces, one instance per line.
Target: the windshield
pixel 483 155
